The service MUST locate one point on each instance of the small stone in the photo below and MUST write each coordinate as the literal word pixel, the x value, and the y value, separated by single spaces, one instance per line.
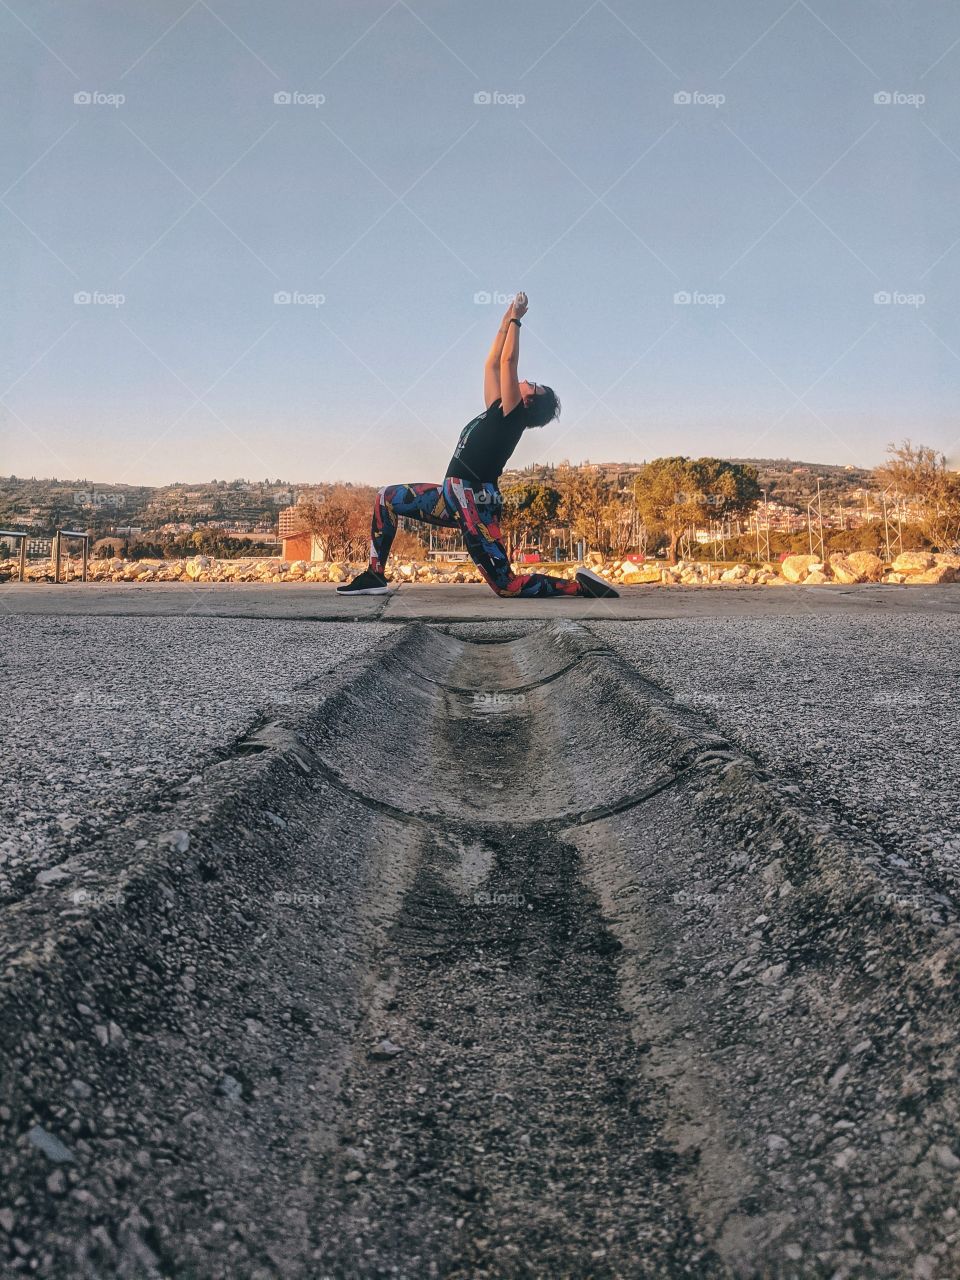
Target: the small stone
pixel 56 1183
pixel 51 1147
pixel 53 875
pixel 230 1088
pixel 946 1157
pixel 838 1076
pixel 7 1220
pixel 773 974
pixel 178 841
pixel 384 1051
pixel 353 1176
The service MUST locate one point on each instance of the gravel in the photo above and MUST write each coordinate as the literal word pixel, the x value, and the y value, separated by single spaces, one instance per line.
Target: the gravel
pixel 103 714
pixel 858 710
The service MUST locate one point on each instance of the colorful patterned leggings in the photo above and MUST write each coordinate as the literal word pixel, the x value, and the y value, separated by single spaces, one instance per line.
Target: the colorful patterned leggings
pixel 452 505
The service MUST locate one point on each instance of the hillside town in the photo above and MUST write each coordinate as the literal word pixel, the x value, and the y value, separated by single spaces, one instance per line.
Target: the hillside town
pixel 552 512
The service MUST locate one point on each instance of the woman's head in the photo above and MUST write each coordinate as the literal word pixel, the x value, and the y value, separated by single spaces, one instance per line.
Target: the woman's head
pixel 540 404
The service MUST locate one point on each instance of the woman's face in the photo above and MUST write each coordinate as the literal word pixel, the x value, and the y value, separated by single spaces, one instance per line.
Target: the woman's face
pixel 528 390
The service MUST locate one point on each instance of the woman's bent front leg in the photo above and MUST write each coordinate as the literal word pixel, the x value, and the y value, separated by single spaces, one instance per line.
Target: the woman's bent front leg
pixel 424 502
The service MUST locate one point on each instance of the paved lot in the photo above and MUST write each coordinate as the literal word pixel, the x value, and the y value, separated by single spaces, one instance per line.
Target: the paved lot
pixel 465 602
pixel 860 708
pixel 853 692
pixel 102 713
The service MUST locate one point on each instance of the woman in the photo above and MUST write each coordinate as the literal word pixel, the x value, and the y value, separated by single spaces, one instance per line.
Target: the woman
pixel 469 498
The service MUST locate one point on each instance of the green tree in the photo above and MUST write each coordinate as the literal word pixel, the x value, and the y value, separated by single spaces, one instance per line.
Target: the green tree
pixel 528 511
pixel 676 493
pixel 584 507
pixel 920 474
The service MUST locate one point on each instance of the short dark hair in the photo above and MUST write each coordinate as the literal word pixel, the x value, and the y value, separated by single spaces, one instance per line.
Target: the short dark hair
pixel 543 408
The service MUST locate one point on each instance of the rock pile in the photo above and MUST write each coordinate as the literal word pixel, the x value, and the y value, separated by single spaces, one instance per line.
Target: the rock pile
pixel 843 568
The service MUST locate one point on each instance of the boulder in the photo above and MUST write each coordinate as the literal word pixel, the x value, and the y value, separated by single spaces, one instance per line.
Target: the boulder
pixel 939 573
pixel 336 573
pixel 913 562
pixel 949 558
pixel 868 565
pixel 796 568
pixel 739 573
pixel 634 574
pixel 816 578
pixel 896 578
pixel 844 570
pixel 198 565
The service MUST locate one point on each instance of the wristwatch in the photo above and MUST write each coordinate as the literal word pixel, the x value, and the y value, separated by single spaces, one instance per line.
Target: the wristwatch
pixel 514 320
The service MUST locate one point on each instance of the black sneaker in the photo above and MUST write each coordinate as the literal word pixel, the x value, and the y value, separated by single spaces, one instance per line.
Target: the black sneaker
pixel 367 583
pixel 593 585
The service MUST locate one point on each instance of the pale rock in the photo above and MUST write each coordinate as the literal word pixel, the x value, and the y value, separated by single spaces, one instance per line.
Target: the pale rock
pixel 939 573
pixel 639 573
pixel 913 562
pixel 197 566
pixel 946 1157
pixel 738 573
pixel 816 578
pixel 844 570
pixel 796 568
pixel 868 565
pixel 336 573
pixel 948 558
pixel 895 578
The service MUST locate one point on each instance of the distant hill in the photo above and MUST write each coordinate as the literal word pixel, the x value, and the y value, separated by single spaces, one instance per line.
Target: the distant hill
pixel 44 504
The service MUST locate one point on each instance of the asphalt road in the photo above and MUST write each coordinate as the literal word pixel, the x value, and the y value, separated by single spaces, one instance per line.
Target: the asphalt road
pixel 100 715
pixel 481 958
pixel 464 602
pixel 859 710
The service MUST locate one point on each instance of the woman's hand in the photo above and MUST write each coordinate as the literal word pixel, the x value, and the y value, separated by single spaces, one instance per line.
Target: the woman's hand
pixel 518 308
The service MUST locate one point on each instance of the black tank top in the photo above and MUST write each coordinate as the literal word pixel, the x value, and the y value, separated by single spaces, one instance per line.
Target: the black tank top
pixel 486 443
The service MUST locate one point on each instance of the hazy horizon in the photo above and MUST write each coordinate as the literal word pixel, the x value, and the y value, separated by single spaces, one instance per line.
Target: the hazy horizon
pixel 737 231
pixel 294 481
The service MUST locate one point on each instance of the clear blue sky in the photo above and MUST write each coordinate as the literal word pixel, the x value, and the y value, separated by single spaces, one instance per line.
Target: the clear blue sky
pixel 399 198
